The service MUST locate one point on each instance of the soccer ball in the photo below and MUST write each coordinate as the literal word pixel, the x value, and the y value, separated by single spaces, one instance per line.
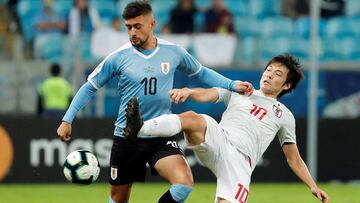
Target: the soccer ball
pixel 81 167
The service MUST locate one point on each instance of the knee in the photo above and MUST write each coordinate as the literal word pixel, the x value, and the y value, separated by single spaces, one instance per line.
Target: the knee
pixel 118 197
pixel 189 120
pixel 186 180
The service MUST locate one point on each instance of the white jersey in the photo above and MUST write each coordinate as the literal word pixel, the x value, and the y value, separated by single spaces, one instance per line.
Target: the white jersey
pixel 251 123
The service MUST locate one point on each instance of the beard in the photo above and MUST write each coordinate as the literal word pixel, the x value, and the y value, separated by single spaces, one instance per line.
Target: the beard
pixel 137 42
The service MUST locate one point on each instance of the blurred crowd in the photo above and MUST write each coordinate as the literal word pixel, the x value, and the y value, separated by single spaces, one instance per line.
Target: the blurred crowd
pixel 248 32
pixel 35 21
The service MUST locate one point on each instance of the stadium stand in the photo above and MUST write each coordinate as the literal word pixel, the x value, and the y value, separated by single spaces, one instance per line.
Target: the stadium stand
pixel 237 8
pixel 273 27
pixel 352 9
pixel 49 47
pixel 62 7
pixel 261 32
pixel 246 51
pixel 330 50
pixel 106 10
pixel 247 26
pixel 26 10
pixel 341 27
pixel 271 46
pixel 302 26
pixel 263 9
pixel 299 47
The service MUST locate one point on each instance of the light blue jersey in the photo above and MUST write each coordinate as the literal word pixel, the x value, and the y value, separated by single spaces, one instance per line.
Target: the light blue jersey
pixel 148 75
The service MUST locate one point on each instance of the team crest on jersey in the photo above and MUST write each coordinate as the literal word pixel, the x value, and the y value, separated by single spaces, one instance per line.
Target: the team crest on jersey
pixel 165 67
pixel 277 111
pixel 113 172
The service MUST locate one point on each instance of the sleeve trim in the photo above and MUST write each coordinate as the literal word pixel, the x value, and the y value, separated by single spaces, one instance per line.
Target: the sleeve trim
pixel 93 83
pixel 197 72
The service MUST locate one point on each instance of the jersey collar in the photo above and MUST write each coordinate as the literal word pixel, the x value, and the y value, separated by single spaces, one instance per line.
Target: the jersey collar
pixel 260 93
pixel 150 55
pixel 146 56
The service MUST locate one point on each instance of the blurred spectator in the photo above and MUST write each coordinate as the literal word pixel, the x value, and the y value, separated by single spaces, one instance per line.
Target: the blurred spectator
pixel 218 19
pixel 107 39
pixel 116 24
pixel 166 29
pixel 82 19
pixel 54 94
pixel 182 17
pixel 298 8
pixel 295 8
pixel 331 8
pixel 5 36
pixel 15 20
pixel 47 21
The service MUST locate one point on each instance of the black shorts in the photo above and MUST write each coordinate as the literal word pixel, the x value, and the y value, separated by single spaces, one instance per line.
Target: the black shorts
pixel 128 158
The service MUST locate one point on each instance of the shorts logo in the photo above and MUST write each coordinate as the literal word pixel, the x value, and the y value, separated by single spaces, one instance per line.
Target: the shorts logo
pixel 165 67
pixel 173 144
pixel 113 172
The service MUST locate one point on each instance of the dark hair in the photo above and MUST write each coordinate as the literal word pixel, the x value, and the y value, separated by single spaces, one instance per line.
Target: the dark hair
pixel 295 73
pixel 55 69
pixel 137 8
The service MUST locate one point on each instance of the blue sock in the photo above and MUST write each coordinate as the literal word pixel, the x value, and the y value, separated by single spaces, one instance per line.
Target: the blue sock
pixel 180 192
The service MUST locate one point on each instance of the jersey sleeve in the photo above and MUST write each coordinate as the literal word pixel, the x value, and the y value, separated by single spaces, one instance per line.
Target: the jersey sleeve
pixel 188 64
pixel 104 72
pixel 224 95
pixel 286 133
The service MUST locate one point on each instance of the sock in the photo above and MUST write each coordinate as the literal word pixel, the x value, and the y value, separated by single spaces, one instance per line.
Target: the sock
pixel 167 198
pixel 180 192
pixel 163 126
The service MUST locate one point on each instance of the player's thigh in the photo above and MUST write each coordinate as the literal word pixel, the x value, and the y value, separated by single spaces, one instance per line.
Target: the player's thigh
pixel 175 169
pixel 120 193
pixel 208 152
pixel 233 174
pixel 194 127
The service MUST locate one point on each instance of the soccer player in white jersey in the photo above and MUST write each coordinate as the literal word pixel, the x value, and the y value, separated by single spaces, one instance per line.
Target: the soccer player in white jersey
pixel 145 69
pixel 232 148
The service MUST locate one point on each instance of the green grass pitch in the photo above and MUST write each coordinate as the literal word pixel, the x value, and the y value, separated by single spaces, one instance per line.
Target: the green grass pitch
pixel 150 192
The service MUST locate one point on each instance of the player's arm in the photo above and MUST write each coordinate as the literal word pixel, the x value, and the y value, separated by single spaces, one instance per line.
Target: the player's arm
pixel 81 98
pixel 196 94
pixel 299 167
pixel 97 79
pixel 193 68
pixel 214 79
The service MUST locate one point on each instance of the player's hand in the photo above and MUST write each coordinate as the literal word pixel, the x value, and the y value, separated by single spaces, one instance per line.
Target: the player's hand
pixel 64 131
pixel 321 195
pixel 245 88
pixel 179 95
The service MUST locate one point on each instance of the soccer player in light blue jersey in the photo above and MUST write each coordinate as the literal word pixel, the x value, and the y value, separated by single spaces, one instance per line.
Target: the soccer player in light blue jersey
pixel 145 69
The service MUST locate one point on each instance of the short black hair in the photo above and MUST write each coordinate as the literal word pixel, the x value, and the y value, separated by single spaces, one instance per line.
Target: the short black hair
pixel 295 73
pixel 55 69
pixel 136 8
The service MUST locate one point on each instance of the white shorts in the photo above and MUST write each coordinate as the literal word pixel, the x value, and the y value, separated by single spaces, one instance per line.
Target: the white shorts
pixel 231 167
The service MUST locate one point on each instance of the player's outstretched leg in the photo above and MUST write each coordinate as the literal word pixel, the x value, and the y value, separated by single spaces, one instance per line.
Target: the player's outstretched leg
pixel 133 120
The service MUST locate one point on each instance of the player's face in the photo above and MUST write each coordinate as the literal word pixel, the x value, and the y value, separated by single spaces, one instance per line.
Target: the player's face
pixel 273 79
pixel 139 29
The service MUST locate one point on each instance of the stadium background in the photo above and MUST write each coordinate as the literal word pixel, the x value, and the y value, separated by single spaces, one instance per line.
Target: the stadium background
pixel 30 152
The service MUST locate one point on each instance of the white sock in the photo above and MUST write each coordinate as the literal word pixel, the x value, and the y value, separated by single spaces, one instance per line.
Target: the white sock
pixel 162 126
